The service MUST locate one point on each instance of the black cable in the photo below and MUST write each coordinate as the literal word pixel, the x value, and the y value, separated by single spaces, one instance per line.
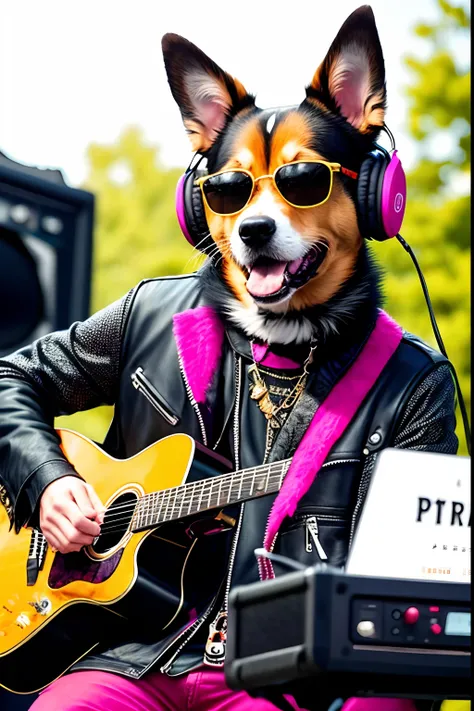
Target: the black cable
pixel 439 340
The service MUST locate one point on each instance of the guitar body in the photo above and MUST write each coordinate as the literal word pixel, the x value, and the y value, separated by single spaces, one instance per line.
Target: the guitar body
pixel 56 608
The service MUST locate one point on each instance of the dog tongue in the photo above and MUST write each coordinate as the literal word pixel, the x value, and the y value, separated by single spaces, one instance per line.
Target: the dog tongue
pixel 266 279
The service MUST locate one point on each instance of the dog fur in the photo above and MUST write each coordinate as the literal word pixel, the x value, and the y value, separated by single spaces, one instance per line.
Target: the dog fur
pixel 338 121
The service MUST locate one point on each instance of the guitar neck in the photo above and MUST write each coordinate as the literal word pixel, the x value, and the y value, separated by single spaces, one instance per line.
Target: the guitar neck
pixel 206 494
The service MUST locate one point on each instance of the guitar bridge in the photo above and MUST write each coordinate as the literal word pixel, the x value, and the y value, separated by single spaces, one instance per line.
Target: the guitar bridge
pixel 36 556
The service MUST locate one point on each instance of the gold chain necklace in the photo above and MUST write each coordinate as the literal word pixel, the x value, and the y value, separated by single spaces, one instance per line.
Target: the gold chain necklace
pixel 279 376
pixel 259 390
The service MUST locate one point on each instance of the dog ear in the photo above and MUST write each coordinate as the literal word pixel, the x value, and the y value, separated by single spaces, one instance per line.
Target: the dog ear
pixel 351 79
pixel 206 95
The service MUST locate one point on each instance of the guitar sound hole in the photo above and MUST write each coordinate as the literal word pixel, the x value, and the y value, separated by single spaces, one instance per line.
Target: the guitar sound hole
pixel 116 522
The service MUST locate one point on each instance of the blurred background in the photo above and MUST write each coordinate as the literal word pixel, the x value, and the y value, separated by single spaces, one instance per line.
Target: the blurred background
pixel 83 93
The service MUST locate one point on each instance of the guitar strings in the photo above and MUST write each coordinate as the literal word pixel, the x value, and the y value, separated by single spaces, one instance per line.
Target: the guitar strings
pixel 201 483
pixel 111 523
pixel 187 499
pixel 124 523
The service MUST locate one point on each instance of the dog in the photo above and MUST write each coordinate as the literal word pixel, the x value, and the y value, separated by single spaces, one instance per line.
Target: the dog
pixel 280 191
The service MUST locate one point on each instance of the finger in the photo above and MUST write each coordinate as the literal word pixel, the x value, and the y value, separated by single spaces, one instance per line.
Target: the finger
pixel 76 518
pixel 96 503
pixel 52 541
pixel 73 537
pixel 57 540
pixel 83 500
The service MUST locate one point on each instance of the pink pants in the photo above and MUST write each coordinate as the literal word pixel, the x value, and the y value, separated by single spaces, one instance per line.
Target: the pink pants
pixel 197 691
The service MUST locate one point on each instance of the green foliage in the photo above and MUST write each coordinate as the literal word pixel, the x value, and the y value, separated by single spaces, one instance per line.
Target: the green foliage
pixel 437 221
pixel 137 235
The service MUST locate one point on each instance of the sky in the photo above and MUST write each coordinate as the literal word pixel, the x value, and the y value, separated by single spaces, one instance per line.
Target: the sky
pixel 72 73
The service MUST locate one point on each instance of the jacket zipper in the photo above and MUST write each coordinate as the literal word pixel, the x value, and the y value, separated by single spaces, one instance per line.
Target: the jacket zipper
pixel 232 559
pixel 238 379
pixel 361 494
pixel 231 409
pixel 144 386
pixel 312 536
pixel 265 567
pixel 311 524
pixel 235 540
pixel 192 400
pixel 188 633
pixel 340 461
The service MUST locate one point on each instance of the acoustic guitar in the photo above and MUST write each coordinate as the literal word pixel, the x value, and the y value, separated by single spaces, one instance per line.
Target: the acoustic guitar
pixel 55 608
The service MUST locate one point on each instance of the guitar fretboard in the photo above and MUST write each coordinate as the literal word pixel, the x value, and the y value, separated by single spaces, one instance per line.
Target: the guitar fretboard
pixel 205 494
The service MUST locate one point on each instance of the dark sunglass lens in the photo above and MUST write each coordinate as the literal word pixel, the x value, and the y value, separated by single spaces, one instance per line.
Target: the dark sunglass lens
pixel 228 192
pixel 304 184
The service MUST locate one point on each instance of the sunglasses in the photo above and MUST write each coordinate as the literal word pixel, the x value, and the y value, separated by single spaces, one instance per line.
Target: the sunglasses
pixel 301 184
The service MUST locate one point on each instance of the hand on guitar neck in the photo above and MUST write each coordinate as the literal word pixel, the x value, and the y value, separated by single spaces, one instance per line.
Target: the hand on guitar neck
pixel 70 514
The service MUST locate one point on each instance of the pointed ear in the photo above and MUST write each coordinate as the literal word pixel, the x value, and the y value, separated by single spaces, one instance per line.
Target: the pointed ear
pixel 351 79
pixel 206 95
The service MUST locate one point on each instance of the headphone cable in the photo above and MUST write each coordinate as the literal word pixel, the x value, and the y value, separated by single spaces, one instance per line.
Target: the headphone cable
pixel 439 340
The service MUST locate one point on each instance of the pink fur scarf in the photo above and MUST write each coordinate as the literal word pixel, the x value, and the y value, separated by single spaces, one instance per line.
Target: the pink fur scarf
pixel 199 335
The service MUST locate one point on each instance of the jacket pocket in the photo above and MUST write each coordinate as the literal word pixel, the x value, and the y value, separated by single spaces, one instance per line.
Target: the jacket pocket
pixel 145 387
pixel 314 537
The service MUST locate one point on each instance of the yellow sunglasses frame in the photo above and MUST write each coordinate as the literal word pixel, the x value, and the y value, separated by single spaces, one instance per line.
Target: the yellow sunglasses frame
pixel 333 168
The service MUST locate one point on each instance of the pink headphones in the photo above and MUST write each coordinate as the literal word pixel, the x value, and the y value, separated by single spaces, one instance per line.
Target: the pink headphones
pixel 380 202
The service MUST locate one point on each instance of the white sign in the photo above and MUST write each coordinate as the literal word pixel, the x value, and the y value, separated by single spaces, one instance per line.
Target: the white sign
pixel 416 519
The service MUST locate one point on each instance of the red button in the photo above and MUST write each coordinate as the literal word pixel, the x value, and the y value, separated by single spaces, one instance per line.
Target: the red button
pixel 436 629
pixel 411 615
pixel 434 608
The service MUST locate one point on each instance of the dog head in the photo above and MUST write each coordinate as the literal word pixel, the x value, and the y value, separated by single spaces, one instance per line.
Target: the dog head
pixel 293 239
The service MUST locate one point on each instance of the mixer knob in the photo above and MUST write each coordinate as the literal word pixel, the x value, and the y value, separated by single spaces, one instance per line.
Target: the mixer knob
pixel 411 615
pixel 366 628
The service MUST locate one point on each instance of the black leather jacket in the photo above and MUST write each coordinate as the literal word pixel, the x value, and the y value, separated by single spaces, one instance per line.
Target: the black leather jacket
pixel 411 405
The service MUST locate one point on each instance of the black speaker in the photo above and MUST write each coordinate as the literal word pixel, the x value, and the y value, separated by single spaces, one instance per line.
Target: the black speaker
pixel 46 235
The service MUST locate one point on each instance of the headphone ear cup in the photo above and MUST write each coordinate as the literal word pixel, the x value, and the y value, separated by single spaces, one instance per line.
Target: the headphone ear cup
pixel 362 195
pixel 374 198
pixel 200 226
pixel 369 196
pixel 190 211
pixel 180 204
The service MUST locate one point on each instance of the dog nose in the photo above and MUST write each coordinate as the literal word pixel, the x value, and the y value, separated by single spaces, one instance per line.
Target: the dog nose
pixel 255 231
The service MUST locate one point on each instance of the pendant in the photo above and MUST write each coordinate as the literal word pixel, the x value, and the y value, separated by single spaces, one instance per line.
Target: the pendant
pixel 266 406
pixel 258 389
pixel 259 392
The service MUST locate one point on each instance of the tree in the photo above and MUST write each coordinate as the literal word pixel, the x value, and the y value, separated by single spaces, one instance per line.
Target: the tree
pixel 437 221
pixel 136 236
pixel 136 223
